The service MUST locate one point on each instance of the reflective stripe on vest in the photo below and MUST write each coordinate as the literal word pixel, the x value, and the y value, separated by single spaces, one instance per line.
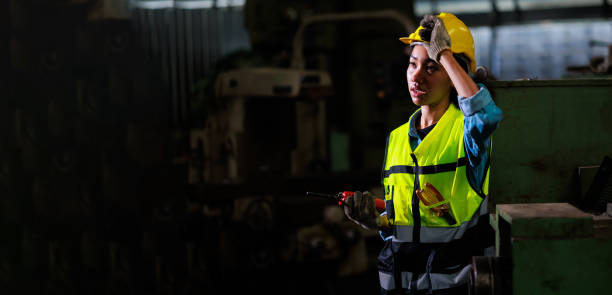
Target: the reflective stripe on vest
pixel 438 280
pixel 426 169
pixel 440 234
pixel 441 161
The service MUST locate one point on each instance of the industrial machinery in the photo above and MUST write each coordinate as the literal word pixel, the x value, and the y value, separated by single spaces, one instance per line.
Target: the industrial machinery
pixel 549 131
pixel 550 175
pixel 273 123
pixel 546 248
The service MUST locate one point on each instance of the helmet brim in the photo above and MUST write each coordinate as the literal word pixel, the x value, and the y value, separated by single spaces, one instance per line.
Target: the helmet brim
pixel 409 41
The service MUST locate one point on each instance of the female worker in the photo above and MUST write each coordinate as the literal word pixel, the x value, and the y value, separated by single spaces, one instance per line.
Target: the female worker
pixel 436 169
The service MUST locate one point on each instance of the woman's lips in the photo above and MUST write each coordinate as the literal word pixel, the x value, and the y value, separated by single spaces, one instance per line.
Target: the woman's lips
pixel 415 92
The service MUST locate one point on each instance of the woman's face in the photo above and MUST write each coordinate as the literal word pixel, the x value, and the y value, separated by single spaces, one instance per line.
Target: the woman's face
pixel 428 82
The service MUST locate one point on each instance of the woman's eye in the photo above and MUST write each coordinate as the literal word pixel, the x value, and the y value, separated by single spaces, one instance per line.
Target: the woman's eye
pixel 432 68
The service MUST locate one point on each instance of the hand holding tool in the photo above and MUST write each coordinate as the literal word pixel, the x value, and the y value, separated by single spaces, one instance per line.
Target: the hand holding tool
pixel 341 197
pixel 361 209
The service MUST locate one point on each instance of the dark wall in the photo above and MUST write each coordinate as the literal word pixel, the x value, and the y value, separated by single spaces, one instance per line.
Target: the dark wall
pixel 86 154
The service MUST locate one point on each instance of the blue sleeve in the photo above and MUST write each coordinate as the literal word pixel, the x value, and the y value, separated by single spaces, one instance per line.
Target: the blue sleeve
pixel 481 117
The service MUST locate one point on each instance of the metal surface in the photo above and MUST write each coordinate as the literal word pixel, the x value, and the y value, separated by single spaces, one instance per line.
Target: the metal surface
pixel 549 129
pixel 548 248
pixel 271 82
pixel 487 276
pixel 320 195
pixel 546 220
pixel 599 194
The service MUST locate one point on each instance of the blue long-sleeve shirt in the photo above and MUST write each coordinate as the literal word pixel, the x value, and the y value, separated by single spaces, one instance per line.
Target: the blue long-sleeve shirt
pixel 481 117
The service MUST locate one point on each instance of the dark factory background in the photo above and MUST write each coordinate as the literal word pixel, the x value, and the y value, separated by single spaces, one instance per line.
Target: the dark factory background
pixel 166 147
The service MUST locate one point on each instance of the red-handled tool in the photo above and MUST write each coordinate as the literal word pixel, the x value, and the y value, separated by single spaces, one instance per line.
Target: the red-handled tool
pixel 341 197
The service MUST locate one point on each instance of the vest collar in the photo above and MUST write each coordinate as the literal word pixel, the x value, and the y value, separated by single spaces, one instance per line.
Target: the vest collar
pixel 447 118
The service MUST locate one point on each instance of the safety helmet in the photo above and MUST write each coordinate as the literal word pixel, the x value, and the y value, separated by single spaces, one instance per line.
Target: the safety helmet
pixel 461 37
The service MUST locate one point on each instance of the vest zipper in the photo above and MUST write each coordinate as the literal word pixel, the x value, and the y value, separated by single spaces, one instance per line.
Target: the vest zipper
pixel 416 219
pixel 416 214
pixel 391 215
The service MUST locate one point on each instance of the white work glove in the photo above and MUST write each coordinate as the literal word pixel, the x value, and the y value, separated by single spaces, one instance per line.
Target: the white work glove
pixel 439 40
pixel 361 209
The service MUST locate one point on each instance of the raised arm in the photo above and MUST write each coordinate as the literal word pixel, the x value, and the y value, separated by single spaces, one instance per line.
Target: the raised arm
pixel 461 80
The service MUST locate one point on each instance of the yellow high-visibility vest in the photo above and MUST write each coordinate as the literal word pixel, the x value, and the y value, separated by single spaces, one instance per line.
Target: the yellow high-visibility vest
pixel 440 160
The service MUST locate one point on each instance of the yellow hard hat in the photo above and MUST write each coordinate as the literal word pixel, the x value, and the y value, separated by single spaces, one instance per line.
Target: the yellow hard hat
pixel 461 37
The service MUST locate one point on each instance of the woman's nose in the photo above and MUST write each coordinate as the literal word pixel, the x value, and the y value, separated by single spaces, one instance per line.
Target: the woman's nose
pixel 417 75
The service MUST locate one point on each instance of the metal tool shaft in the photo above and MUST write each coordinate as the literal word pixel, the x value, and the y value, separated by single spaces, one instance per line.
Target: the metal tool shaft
pixel 320 195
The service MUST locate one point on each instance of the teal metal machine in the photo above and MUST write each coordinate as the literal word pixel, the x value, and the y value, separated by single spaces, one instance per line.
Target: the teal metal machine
pixel 551 131
pixel 546 248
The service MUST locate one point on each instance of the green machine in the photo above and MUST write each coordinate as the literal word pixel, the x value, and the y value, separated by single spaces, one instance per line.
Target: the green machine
pixel 550 129
pixel 551 182
pixel 546 248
